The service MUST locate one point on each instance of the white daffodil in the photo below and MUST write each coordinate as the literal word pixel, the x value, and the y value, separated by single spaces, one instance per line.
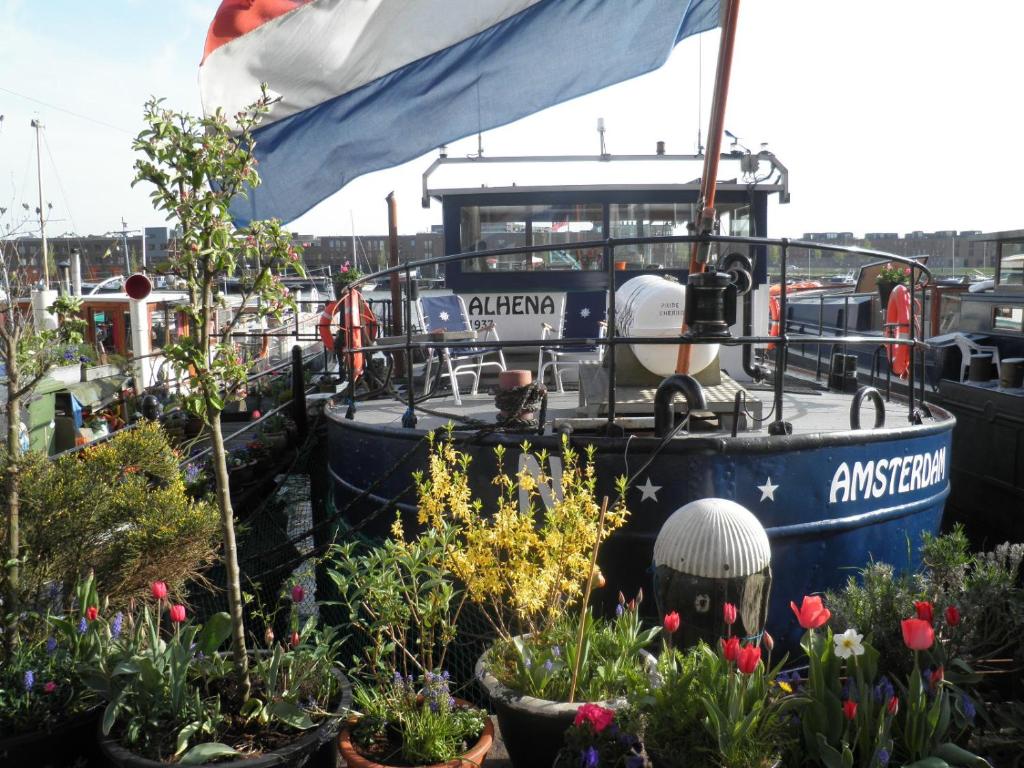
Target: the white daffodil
pixel 849 644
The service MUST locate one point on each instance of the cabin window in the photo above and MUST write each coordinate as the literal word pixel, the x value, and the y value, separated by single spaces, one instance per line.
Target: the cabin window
pixel 1011 264
pixel 1008 318
pixel 512 226
pixel 651 220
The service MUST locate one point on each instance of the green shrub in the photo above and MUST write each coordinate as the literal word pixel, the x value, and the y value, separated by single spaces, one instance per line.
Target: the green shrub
pixel 119 509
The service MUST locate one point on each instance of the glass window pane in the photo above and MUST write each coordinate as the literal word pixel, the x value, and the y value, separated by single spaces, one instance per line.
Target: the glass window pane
pixel 651 220
pixel 1011 264
pixel 511 226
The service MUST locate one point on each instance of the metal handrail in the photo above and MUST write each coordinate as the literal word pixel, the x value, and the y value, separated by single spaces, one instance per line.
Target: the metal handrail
pixel 612 339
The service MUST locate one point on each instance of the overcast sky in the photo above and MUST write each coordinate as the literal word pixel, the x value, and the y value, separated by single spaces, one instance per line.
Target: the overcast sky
pixel 891 115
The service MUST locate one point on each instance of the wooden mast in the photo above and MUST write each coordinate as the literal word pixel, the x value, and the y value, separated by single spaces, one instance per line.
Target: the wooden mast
pixel 706 201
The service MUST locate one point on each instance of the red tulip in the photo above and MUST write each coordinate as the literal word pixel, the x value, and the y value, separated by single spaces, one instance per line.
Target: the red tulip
pixel 893 706
pixel 671 622
pixel 50 687
pixel 937 676
pixel 295 639
pixel 731 648
pixel 177 613
pixel 812 613
pixel 767 641
pixel 952 616
pixel 92 612
pixel 749 656
pixel 918 634
pixel 925 610
pixel 158 589
pixel 729 613
pixel 850 709
pixel 298 593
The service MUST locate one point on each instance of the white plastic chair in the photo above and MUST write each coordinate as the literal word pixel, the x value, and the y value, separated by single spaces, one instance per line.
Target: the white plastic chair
pixel 968 348
pixel 583 317
pixel 448 313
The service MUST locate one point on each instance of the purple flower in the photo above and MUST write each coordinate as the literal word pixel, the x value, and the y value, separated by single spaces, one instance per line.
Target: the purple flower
pixel 884 690
pixel 434 705
pixel 968 707
pixel 82 626
pixel 69 354
pixel 590 758
pixel 549 665
pixel 883 756
pixel 556 651
pixel 116 625
pixel 51 645
pixel 619 609
pixel 29 680
pixel 54 590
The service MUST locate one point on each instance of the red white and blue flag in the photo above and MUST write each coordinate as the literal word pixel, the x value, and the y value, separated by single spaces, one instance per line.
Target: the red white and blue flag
pixel 371 84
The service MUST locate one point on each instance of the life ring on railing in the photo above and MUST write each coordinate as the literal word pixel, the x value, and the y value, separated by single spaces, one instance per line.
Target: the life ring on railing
pixel 357 328
pixel 774 317
pixel 897 326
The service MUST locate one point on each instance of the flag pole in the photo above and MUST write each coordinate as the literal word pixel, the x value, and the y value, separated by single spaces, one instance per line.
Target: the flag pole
pixel 716 124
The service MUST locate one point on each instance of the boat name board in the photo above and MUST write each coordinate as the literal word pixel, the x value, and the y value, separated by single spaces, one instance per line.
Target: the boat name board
pixel 517 316
pixel 885 477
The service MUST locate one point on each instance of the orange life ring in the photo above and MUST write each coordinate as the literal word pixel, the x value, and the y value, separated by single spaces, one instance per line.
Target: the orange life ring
pixel 774 314
pixel 357 328
pixel 897 326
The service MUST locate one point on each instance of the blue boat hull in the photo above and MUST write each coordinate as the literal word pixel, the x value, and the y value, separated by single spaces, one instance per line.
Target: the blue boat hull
pixel 830 502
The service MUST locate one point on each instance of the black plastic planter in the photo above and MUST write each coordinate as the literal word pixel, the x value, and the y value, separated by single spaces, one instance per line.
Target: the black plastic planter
pixel 313 749
pixel 71 742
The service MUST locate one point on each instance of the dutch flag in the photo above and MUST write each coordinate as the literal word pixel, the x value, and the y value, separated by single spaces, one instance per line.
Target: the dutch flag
pixel 371 84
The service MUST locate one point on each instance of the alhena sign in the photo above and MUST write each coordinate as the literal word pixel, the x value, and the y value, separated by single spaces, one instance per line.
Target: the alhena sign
pixel 886 477
pixel 512 304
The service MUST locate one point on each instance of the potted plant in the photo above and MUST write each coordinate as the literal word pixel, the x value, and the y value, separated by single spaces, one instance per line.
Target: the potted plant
pixel 889 276
pixel 241 465
pixel 529 571
pixel 197 167
pixel 853 714
pixel 595 740
pixel 404 601
pixel 713 707
pixel 173 697
pixel 344 277
pixel 274 432
pixel 47 714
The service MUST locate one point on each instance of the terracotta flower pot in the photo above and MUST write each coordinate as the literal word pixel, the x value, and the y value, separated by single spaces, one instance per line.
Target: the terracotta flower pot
pixel 474 757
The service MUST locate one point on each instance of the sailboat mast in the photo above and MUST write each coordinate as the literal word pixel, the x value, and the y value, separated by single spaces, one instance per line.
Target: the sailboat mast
pixel 38 125
pixel 709 178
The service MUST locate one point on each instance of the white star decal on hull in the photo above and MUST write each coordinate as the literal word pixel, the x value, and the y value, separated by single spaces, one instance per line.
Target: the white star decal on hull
pixel 648 490
pixel 768 490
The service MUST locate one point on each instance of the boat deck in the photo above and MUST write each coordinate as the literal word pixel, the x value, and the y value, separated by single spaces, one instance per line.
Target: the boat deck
pixel 809 410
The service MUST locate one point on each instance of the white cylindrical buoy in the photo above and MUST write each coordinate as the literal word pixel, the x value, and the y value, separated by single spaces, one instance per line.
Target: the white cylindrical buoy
pixel 652 305
pixel 709 553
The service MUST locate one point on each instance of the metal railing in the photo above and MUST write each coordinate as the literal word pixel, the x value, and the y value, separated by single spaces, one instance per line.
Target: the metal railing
pixel 611 340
